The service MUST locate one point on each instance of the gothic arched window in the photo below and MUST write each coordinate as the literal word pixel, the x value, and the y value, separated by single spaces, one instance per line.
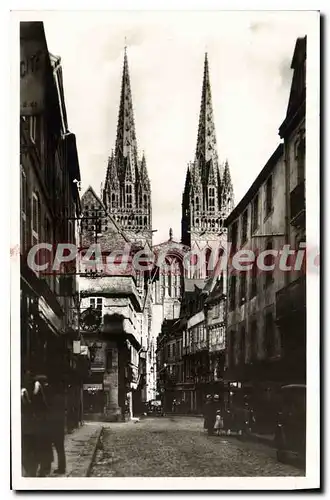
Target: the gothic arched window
pixel 140 198
pixel 129 196
pixel 211 199
pixel 197 204
pixel 145 202
pixel 113 200
pixel 208 263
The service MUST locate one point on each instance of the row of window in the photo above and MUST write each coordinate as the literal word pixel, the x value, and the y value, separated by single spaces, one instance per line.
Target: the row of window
pixel 35 217
pixel 126 199
pixel 238 352
pixel 174 349
pixel 209 201
pixel 217 335
pixel 240 282
pixel 255 209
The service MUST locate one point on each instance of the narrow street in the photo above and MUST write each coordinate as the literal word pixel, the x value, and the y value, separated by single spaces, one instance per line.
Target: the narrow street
pixel 178 446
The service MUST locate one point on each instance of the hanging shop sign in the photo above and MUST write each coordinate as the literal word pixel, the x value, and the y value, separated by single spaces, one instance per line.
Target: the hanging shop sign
pixel 93 387
pixel 76 347
pixel 196 319
pixel 90 320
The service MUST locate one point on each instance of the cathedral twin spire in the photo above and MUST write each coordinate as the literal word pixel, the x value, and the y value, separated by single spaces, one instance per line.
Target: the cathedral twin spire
pixel 208 193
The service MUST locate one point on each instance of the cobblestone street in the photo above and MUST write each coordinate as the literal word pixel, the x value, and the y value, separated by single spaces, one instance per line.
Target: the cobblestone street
pixel 178 446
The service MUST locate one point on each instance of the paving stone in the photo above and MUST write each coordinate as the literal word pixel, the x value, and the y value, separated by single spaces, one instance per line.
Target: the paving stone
pixel 179 447
pixel 79 449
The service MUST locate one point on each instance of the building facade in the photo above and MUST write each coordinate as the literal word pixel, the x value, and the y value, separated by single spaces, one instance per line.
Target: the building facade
pixel 119 220
pixel 257 225
pixel 112 317
pixel 200 312
pixel 49 206
pixel 291 299
pixel 266 307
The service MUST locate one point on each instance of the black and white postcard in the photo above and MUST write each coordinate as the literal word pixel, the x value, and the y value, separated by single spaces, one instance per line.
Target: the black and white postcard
pixel 165 250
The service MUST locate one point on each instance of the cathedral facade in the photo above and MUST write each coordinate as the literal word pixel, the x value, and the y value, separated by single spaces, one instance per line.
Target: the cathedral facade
pixel 124 216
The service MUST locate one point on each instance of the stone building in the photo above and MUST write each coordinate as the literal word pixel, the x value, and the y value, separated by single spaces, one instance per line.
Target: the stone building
pixel 208 193
pixel 266 309
pixel 257 225
pixel 112 316
pixel 120 219
pixel 168 289
pixel 49 205
pixel 207 201
pixel 215 312
pixel 291 299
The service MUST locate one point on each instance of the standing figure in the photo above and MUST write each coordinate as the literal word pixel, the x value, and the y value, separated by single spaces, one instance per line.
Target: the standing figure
pixel 211 414
pixel 208 402
pixel 42 435
pixel 28 428
pixel 57 422
pixel 218 426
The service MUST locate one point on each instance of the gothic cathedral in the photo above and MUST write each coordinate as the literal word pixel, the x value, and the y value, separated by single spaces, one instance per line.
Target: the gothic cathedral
pixel 208 193
pixel 127 194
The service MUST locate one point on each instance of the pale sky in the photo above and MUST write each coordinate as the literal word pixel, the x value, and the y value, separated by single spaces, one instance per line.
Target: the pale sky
pixel 249 59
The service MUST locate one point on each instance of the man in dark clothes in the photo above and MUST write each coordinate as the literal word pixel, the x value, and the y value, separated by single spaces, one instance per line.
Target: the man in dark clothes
pixel 210 414
pixel 29 455
pixel 207 403
pixel 57 422
pixel 40 402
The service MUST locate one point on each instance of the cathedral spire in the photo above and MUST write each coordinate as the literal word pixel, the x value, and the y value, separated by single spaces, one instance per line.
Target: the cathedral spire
pixel 227 191
pixel 226 180
pixel 144 172
pixel 126 137
pixel 206 148
pixel 127 192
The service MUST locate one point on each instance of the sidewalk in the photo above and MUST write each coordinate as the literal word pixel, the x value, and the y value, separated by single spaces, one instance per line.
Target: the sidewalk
pixel 80 447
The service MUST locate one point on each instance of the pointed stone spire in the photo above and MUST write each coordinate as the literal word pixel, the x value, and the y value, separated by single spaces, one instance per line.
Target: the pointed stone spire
pixel 170 234
pixel 188 179
pixel 112 175
pixel 144 172
pixel 227 191
pixel 226 180
pixel 126 137
pixel 206 148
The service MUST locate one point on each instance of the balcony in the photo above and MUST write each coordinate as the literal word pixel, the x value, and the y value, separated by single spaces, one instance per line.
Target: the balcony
pixel 298 205
pixel 291 299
